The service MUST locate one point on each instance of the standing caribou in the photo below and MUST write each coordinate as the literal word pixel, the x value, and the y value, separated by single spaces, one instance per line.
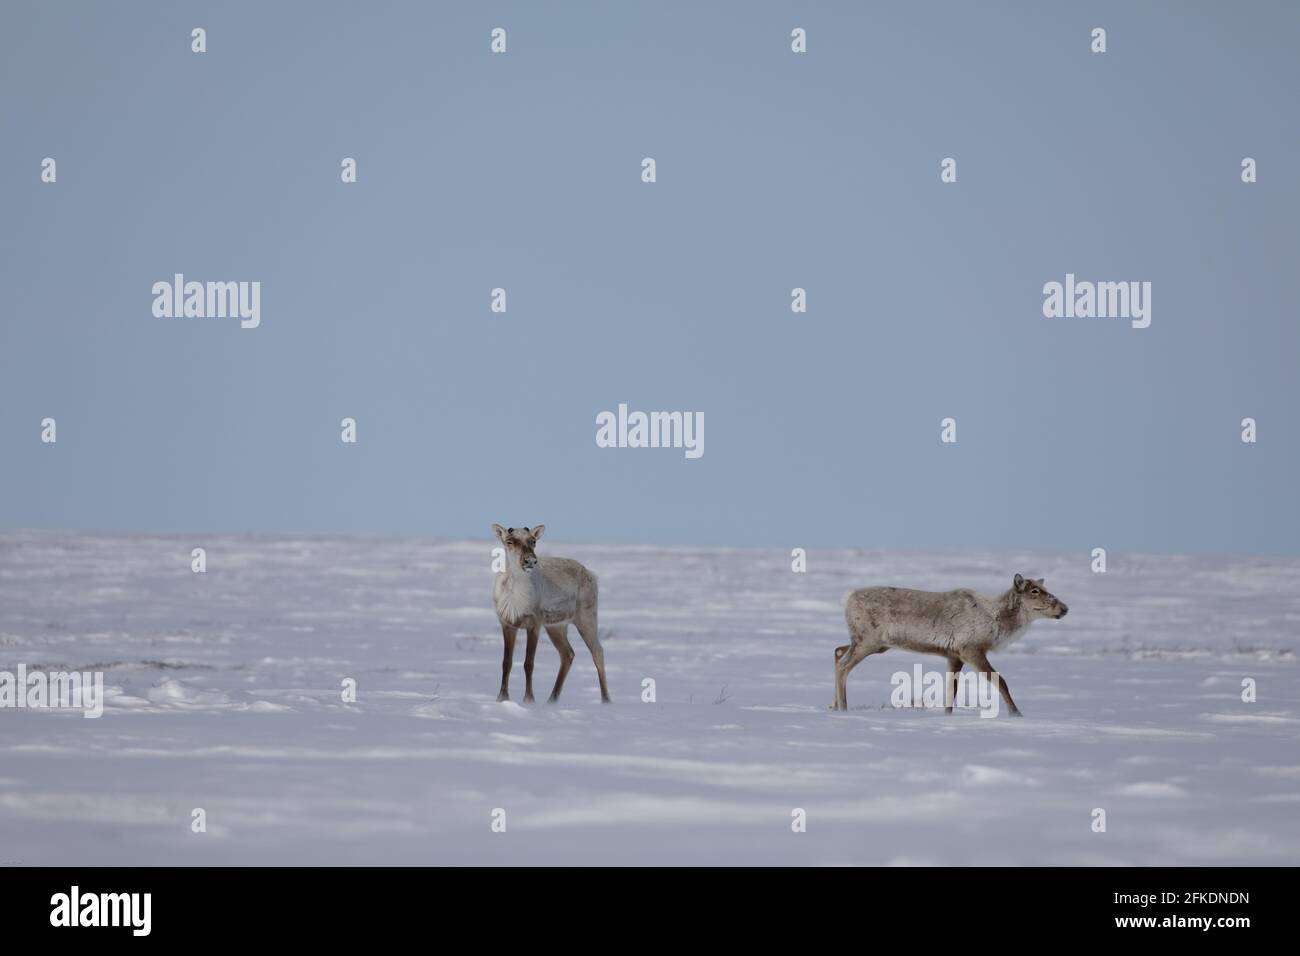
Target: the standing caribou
pixel 535 593
pixel 959 625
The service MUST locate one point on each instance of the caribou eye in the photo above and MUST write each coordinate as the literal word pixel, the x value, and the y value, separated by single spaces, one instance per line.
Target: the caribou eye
pixel 510 530
pixel 1034 591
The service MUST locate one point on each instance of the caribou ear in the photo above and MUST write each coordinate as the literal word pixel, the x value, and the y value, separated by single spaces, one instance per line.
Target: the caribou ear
pixel 500 532
pixel 1020 583
pixel 537 532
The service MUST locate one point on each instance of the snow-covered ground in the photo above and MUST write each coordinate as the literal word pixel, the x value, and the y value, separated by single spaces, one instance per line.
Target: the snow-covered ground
pixel 225 694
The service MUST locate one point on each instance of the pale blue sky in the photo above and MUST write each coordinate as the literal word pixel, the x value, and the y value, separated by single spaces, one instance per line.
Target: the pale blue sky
pixel 775 171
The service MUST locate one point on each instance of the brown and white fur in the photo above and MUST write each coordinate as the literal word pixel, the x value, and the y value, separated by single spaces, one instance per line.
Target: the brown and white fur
pixel 551 593
pixel 959 625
